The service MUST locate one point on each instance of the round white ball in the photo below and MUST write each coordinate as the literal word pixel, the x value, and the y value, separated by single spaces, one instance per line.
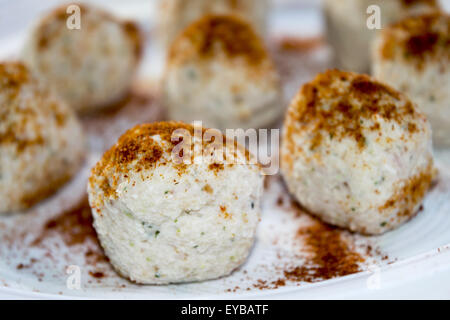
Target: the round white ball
pixel 218 71
pixel 91 67
pixel 414 57
pixel 356 153
pixel 41 140
pixel 161 222
pixel 176 15
pixel 348 30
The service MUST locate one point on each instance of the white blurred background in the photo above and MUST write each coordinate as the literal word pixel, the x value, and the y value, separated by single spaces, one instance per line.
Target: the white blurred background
pixel 16 16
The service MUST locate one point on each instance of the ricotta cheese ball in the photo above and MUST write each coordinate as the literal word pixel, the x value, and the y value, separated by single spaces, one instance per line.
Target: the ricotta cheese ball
pixel 176 15
pixel 91 67
pixel 347 29
pixel 41 141
pixel 161 221
pixel 414 57
pixel 219 71
pixel 356 153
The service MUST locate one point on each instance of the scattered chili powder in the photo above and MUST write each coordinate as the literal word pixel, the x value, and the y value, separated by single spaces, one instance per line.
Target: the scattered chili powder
pixel 280 201
pixel 216 167
pixel 330 252
pixel 331 256
pixel 21 266
pixel 337 105
pixel 97 274
pixel 411 192
pixel 418 39
pixel 410 3
pixel 74 227
pixel 420 44
pixel 224 213
pixel 138 151
pixel 22 114
pixel 300 44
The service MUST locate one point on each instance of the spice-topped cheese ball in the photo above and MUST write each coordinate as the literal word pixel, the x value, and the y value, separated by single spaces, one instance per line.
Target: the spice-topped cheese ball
pixel 219 71
pixel 414 57
pixel 41 141
pixel 176 15
pixel 347 26
pixel 161 221
pixel 91 67
pixel 356 152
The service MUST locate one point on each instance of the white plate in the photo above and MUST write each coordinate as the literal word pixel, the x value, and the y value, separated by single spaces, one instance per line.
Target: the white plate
pixel 419 252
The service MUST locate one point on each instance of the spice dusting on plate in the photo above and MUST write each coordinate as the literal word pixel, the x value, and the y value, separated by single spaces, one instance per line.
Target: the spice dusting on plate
pixel 97 274
pixel 331 255
pixel 74 228
pixel 322 252
pixel 331 252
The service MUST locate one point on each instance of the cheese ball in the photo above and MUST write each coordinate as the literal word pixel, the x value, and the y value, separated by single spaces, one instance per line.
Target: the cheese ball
pixel 414 57
pixel 356 153
pixel 347 29
pixel 176 15
pixel 91 67
pixel 41 141
pixel 218 71
pixel 161 221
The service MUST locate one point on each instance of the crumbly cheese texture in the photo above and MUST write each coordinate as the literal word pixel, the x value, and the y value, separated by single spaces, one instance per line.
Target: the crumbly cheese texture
pixel 219 71
pixel 356 152
pixel 91 67
pixel 176 15
pixel 41 141
pixel 347 29
pixel 414 57
pixel 164 222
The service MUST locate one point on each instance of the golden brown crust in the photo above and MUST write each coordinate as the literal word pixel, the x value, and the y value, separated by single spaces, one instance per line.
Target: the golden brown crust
pixel 343 105
pixel 418 39
pixel 214 35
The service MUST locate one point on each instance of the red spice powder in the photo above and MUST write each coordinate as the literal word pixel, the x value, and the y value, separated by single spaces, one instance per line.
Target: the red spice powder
pixel 97 274
pixel 300 44
pixel 331 256
pixel 74 227
pixel 330 252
